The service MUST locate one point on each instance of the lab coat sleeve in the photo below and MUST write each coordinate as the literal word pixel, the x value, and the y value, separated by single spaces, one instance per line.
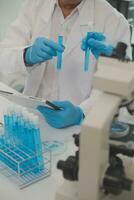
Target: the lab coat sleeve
pixel 17 39
pixel 87 105
pixel 116 29
pixel 123 35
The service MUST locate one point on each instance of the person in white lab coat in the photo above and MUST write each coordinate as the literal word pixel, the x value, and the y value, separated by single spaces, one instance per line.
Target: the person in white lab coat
pixel 44 20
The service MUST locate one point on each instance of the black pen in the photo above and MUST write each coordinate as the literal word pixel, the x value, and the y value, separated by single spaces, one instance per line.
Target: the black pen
pixel 56 108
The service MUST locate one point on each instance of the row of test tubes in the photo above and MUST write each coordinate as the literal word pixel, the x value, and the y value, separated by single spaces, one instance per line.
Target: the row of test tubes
pixel 21 140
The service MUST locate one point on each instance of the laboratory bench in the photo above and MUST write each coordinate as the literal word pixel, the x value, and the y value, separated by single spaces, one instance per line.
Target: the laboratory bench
pixel 46 188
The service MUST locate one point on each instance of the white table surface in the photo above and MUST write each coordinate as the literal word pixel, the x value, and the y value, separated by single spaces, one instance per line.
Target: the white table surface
pixel 45 189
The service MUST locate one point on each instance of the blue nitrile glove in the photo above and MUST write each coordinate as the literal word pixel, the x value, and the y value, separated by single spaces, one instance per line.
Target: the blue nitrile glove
pixel 91 35
pixel 99 47
pixel 96 43
pixel 68 115
pixel 42 50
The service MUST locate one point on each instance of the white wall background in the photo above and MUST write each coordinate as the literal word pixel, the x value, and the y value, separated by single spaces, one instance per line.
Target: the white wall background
pixel 8 12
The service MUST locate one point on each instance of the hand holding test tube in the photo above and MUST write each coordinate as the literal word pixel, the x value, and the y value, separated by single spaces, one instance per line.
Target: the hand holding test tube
pixel 95 42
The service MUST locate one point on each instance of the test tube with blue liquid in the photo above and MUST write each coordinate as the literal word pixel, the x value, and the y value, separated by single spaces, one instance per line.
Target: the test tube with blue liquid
pixel 25 129
pixel 15 116
pixel 32 134
pixel 9 125
pixel 6 124
pixel 23 134
pixel 59 54
pixel 38 143
pixel 87 55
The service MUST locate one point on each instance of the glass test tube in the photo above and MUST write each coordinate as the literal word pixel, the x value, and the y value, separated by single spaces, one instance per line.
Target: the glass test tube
pixel 59 54
pixel 86 61
pixel 39 149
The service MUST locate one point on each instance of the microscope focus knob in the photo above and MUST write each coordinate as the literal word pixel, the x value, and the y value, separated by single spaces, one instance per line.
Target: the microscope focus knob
pixel 76 139
pixel 69 168
pixel 115 180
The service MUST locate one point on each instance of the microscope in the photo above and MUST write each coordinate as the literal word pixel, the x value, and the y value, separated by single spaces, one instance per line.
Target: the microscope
pixel 103 166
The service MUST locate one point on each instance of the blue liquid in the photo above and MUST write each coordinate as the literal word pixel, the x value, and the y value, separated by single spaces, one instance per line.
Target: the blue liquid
pixel 24 142
pixel 86 62
pixel 38 147
pixel 6 126
pixel 59 55
pixel 87 54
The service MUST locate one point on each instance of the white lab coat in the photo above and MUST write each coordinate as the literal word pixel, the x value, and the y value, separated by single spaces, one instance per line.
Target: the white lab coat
pixel 35 20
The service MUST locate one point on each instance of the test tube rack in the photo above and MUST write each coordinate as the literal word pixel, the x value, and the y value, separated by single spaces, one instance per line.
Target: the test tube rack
pixel 23 157
pixel 18 163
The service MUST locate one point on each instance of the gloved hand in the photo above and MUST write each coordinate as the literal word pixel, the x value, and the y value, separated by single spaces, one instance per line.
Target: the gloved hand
pixel 96 43
pixel 42 50
pixel 68 115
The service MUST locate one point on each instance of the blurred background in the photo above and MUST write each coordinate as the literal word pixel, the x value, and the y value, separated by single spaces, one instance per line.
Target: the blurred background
pixel 10 8
pixel 8 12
